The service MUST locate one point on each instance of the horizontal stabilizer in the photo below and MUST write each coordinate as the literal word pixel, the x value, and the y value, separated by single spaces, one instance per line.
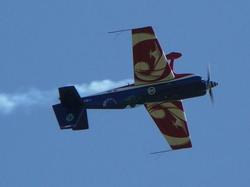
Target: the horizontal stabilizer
pixel 71 120
pixel 70 113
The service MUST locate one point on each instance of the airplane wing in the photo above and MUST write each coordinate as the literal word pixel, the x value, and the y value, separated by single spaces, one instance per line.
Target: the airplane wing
pixel 150 63
pixel 171 120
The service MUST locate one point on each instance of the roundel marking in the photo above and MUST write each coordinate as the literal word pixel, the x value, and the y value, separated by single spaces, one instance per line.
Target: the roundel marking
pixel 109 102
pixel 70 117
pixel 151 90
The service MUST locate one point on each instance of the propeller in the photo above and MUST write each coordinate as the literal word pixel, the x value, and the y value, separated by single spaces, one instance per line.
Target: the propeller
pixel 210 85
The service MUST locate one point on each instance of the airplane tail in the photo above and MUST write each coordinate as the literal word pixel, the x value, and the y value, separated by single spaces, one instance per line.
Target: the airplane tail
pixel 70 113
pixel 172 57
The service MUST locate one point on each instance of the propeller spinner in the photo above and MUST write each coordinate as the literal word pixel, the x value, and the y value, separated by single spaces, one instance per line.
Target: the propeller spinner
pixel 210 85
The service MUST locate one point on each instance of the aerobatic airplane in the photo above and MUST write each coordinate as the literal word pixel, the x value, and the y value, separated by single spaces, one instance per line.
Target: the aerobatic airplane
pixel 156 86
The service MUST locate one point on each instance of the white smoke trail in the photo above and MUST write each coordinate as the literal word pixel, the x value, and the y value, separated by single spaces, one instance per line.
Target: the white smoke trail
pixel 36 97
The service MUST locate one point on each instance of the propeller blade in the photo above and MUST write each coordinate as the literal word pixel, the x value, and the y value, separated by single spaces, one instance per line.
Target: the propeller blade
pixel 210 84
pixel 211 95
pixel 208 73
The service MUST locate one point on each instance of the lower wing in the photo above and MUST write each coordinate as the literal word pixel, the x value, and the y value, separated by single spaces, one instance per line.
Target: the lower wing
pixel 171 120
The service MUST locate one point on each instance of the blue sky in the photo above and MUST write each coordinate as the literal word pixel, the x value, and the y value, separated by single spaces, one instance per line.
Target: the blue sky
pixel 51 43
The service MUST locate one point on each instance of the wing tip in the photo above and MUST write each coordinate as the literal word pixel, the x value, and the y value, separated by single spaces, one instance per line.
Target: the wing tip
pixel 147 29
pixel 182 146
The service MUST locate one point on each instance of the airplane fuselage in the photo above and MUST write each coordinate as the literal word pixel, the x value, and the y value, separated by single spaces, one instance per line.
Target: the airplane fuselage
pixel 132 95
pixel 156 85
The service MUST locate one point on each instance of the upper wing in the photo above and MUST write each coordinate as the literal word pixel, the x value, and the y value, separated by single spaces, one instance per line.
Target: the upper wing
pixel 150 63
pixel 171 120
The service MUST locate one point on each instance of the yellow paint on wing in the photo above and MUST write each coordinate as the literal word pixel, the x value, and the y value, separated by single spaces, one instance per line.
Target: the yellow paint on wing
pixel 157 73
pixel 158 114
pixel 141 66
pixel 168 105
pixel 181 124
pixel 175 141
pixel 139 37
pixel 178 113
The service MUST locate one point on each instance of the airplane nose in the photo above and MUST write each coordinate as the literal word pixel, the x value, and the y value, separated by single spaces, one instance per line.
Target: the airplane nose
pixel 213 84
